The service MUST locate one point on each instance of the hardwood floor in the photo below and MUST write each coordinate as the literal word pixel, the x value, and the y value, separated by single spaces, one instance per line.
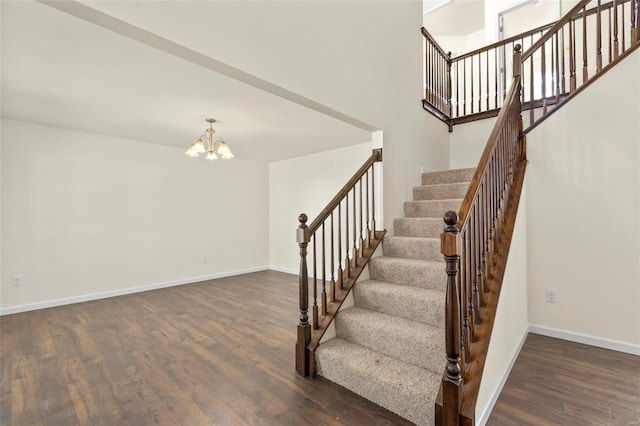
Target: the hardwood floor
pixel 222 352
pixel 217 352
pixel 556 382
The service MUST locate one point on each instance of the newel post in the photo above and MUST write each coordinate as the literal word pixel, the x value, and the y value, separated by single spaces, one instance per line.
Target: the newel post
pixel 517 60
pixel 452 379
pixel 304 329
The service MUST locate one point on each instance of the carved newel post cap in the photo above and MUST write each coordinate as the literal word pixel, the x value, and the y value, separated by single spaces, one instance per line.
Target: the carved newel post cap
pixel 303 220
pixel 517 48
pixel 450 219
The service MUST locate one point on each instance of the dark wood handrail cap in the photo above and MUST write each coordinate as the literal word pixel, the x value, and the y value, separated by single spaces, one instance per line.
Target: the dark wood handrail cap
pixel 303 220
pixel 517 48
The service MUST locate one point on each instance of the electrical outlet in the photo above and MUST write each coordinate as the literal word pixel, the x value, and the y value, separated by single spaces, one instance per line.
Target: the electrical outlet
pixel 551 296
pixel 16 280
pixel 203 259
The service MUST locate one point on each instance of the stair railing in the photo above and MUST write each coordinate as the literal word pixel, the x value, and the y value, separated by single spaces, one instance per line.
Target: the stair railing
pixel 342 239
pixel 575 51
pixel 471 246
pixel 477 81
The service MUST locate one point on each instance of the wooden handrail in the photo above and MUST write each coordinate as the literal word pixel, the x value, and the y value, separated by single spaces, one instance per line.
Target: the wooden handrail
pixel 433 40
pixel 465 207
pixel 376 156
pixel 554 29
pixel 332 276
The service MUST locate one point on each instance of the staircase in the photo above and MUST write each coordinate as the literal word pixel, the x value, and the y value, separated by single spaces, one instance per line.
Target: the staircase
pixel 389 345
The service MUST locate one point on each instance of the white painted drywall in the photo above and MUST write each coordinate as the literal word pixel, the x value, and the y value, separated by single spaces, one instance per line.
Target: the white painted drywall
pixel 583 201
pixel 363 59
pixel 511 322
pixel 305 185
pixel 85 214
pixel 468 141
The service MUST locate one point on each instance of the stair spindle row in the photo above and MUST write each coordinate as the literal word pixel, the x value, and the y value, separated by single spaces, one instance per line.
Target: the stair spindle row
pixel 350 222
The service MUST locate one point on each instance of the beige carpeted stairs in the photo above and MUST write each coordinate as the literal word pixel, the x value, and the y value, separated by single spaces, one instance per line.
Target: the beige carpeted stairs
pixel 390 346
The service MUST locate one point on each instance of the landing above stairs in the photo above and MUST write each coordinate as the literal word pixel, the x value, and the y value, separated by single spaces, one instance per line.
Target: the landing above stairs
pixel 390 346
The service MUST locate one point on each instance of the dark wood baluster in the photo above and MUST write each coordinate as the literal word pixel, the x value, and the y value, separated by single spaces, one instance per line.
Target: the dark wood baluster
pixel 464 296
pixel 556 86
pixel 504 74
pixel 452 380
pixel 429 71
pixel 471 78
pixel 531 88
pixel 572 56
pixel 355 230
pixel 616 47
pixel 333 267
pixel 475 253
pixel 473 317
pixel 457 90
pixel 347 263
pixel 585 71
pixel 373 200
pixel 610 35
pixel 487 87
pixel 623 31
pixel 635 22
pixel 598 37
pixel 464 86
pixel 543 75
pixel 323 301
pixel 479 82
pixel 316 323
pixel 303 329
pixel 368 230
pixel 562 55
pixel 496 77
pixel 362 238
pixel 340 276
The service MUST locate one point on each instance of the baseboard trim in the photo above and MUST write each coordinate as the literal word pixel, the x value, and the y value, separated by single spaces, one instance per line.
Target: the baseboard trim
pixel 498 389
pixel 614 345
pixel 284 270
pixel 129 290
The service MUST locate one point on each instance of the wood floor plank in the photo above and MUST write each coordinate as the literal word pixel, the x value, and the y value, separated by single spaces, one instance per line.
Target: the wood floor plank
pixel 216 352
pixel 556 382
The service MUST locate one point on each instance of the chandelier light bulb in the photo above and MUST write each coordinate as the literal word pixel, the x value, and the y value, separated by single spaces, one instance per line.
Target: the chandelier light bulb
pixel 211 155
pixel 199 146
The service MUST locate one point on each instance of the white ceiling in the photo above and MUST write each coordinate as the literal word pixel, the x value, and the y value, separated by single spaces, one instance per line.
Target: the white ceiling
pixel 453 18
pixel 64 71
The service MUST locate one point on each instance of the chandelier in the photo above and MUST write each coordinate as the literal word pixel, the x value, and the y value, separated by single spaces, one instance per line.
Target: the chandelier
pixel 207 144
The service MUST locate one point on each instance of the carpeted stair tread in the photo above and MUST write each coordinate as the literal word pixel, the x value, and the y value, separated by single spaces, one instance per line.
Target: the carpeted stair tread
pixel 442 191
pixel 448 176
pixel 428 227
pixel 412 248
pixel 420 273
pixel 404 301
pixel 430 208
pixel 402 388
pixel 409 341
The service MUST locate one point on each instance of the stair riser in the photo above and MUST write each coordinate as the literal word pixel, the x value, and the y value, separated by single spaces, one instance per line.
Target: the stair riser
pixel 440 192
pixel 433 209
pixel 424 310
pixel 418 227
pixel 447 176
pixel 419 276
pixel 412 248
pixel 413 348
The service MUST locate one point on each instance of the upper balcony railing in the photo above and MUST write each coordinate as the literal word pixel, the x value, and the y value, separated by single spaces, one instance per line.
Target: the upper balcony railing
pixel 558 58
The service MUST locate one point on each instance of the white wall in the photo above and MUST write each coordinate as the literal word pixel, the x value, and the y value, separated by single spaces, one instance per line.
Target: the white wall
pixel 305 185
pixel 468 140
pixel 511 322
pixel 85 214
pixel 363 59
pixel 583 203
